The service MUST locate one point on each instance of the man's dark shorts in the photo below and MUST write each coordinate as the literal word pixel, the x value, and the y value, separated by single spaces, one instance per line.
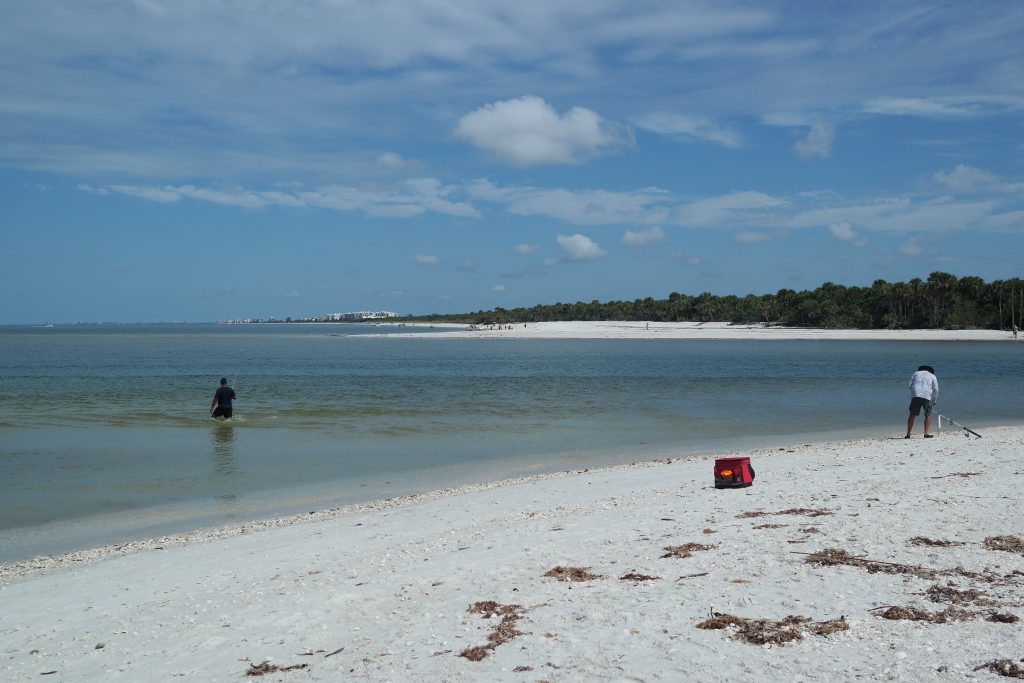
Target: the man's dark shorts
pixel 222 412
pixel 917 403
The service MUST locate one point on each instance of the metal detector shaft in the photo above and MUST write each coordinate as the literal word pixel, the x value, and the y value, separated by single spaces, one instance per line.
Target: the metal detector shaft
pixel 952 421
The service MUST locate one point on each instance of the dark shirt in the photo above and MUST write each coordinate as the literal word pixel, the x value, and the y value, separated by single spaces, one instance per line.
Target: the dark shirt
pixel 224 396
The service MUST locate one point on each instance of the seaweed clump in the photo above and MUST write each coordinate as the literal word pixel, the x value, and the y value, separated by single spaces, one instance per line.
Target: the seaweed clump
pixel 686 550
pixel 504 631
pixel 572 574
pixel 771 631
pixel 1009 544
pixel 1003 667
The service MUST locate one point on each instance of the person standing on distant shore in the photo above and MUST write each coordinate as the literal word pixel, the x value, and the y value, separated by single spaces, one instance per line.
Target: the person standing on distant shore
pixel 924 393
pixel 221 405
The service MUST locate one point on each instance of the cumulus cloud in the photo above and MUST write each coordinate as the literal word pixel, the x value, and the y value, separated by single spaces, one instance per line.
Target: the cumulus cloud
pixel 845 233
pixel 498 288
pixel 690 128
pixel 965 178
pixel 580 248
pixel 818 142
pixel 525 248
pixel 527 131
pixel 427 260
pixel 750 237
pixel 643 238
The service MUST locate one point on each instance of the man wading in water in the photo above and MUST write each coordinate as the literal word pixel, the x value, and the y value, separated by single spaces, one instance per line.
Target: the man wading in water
pixel 221 406
pixel 924 393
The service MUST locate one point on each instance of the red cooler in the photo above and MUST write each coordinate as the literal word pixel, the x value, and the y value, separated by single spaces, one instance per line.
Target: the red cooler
pixel 733 473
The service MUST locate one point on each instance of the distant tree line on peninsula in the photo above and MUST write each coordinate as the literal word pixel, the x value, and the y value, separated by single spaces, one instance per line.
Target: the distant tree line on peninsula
pixel 942 301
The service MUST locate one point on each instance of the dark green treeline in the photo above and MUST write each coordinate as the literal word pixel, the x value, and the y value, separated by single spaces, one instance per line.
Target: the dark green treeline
pixel 941 301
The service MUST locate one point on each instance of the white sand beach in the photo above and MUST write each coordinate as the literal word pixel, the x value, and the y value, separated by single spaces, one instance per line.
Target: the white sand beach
pixel 384 592
pixel 687 330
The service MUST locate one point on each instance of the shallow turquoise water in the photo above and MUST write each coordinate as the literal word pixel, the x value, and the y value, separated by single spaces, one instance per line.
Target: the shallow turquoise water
pixel 104 432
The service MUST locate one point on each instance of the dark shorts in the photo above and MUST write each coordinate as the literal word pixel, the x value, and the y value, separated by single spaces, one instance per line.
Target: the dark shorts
pixel 222 412
pixel 917 403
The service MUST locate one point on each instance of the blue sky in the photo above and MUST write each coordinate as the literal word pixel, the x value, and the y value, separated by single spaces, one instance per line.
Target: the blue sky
pixel 212 159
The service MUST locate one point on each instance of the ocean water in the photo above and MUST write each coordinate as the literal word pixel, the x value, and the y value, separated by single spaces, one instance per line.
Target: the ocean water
pixel 105 436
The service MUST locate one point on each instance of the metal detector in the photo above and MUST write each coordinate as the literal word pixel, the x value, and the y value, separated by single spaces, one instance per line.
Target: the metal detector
pixel 952 421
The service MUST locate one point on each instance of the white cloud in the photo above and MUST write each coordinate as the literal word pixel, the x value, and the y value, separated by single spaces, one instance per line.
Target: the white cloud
pixel 818 142
pixel 498 288
pixel 410 198
pixel 690 128
pixel 928 107
pixel 750 237
pixel 727 210
pixel 965 179
pixel 580 248
pixel 427 260
pixel 911 247
pixel 686 259
pixel 845 233
pixel 465 266
pixel 390 160
pixel 1009 221
pixel 527 132
pixel 896 215
pixel 586 207
pixel 164 195
pixel 643 238
pixel 548 262
pixel 525 248
pixel 293 294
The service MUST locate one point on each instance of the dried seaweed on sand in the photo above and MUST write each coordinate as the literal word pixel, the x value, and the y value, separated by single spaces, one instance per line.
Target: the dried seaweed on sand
pixel 1002 618
pixel 806 512
pixel 916 614
pixel 953 596
pixel 770 631
pixel 932 543
pixel 572 574
pixel 264 668
pixel 838 556
pixel 1009 544
pixel 504 631
pixel 770 526
pixel 686 550
pixel 633 576
pixel 1003 667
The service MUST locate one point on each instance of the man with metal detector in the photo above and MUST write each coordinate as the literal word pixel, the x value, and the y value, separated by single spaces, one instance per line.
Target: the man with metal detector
pixel 924 393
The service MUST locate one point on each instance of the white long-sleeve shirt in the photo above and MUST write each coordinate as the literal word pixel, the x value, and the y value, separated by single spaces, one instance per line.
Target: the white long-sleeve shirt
pixel 924 384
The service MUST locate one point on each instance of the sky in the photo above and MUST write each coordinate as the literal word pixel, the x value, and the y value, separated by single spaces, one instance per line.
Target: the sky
pixel 201 160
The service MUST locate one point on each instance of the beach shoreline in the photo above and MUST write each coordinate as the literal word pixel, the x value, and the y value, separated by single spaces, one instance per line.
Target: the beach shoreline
pixel 381 591
pixel 683 330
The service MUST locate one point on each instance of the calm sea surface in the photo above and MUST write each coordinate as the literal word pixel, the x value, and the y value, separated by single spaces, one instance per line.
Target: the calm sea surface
pixel 104 435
